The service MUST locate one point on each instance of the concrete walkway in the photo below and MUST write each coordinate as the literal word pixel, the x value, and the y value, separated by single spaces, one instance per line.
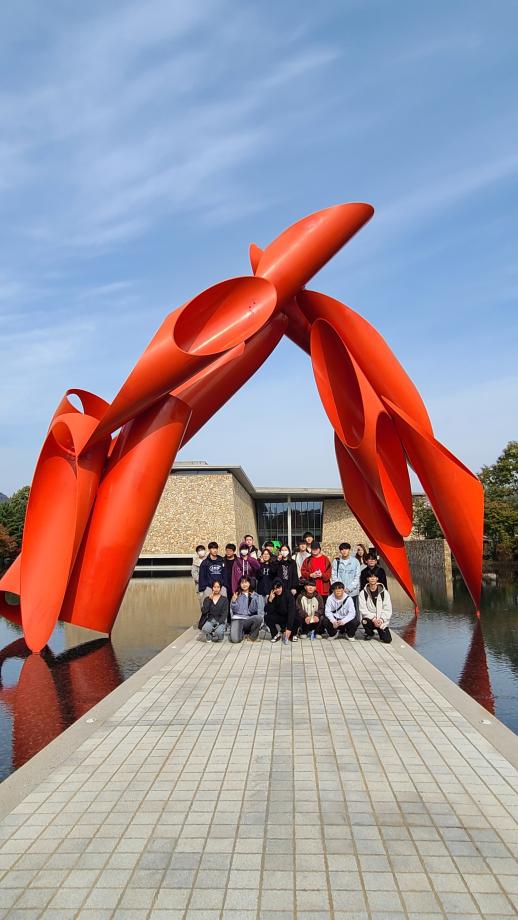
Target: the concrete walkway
pixel 329 779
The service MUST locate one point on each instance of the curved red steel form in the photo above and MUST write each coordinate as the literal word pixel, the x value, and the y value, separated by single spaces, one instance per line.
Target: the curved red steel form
pixel 361 422
pixel 374 518
pixel 218 319
pixel 127 495
pixel 93 497
pixel 455 494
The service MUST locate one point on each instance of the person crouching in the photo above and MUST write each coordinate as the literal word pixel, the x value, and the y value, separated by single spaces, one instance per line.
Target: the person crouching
pixel 375 609
pixel 246 609
pixel 340 613
pixel 310 611
pixel 214 612
pixel 280 612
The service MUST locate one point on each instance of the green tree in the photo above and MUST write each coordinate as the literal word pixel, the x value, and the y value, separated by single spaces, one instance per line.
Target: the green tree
pixel 500 480
pixel 425 522
pixel 8 548
pixel 12 514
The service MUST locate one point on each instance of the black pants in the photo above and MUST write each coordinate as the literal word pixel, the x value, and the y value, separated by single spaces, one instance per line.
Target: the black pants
pixel 348 630
pixel 273 620
pixel 306 628
pixel 384 634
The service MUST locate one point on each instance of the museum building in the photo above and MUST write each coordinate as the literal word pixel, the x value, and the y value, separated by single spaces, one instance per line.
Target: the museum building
pixel 202 502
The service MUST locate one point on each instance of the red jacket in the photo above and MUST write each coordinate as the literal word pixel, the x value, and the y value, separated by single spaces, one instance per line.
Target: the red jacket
pixel 311 564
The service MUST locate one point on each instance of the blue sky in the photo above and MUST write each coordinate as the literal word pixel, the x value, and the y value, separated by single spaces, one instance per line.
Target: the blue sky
pixel 144 145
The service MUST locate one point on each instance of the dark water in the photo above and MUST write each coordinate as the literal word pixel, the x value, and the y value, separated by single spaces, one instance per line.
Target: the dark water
pixel 41 695
pixel 480 655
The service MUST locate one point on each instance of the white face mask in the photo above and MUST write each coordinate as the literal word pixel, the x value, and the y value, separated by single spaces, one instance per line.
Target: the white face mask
pixel 244 552
pixel 284 552
pixel 201 553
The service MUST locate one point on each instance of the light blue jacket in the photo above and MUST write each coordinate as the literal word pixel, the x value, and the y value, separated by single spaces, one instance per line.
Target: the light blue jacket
pixel 348 572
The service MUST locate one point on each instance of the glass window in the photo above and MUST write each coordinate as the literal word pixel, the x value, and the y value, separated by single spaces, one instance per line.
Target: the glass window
pixel 272 521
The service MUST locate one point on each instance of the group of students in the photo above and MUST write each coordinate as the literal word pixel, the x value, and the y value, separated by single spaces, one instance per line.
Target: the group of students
pixel 295 595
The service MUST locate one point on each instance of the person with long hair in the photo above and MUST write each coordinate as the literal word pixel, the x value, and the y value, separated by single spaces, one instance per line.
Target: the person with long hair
pixel 361 553
pixel 280 613
pixel 214 612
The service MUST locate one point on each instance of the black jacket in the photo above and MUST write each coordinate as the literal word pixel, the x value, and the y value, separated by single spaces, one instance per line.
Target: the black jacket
pixel 378 570
pixel 217 611
pixel 282 609
pixel 287 572
pixel 265 576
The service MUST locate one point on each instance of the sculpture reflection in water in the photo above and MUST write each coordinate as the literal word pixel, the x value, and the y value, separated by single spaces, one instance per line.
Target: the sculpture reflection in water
pixel 474 678
pixel 84 529
pixel 53 691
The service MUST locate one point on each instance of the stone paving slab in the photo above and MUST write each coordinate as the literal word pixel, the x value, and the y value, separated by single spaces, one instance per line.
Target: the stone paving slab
pixel 325 779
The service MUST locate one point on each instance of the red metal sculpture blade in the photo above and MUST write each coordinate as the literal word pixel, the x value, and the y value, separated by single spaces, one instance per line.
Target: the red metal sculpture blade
pixel 93 498
pixel 374 519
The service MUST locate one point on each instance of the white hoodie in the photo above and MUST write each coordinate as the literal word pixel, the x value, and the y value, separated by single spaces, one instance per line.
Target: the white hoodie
pixel 379 608
pixel 342 610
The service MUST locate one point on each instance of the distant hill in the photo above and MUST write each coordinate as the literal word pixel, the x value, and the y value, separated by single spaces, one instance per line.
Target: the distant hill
pixel 3 498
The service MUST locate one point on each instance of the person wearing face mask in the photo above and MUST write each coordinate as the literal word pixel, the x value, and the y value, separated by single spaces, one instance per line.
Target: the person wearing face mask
pixel 197 560
pixel 244 564
pixel 318 567
pixel 287 569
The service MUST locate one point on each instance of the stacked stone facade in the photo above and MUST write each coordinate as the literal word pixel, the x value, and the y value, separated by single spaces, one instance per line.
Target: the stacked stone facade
pixel 196 508
pixel 200 506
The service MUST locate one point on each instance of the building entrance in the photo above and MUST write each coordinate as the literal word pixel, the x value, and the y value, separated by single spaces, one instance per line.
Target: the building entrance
pixel 286 521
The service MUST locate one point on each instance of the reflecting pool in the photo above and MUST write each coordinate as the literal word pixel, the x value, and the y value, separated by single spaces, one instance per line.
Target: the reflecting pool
pixel 41 695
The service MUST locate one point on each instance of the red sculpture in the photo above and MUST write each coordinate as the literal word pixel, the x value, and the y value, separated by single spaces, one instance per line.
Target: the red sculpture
pixel 93 494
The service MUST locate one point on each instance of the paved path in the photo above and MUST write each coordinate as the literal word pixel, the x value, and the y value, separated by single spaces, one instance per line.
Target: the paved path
pixel 324 780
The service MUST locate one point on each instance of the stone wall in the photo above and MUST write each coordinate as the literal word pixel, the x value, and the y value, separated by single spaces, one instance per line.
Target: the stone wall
pixel 429 557
pixel 193 509
pixel 340 525
pixel 244 514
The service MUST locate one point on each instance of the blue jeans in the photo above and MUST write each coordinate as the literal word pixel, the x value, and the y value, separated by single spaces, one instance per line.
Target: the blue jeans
pixel 213 630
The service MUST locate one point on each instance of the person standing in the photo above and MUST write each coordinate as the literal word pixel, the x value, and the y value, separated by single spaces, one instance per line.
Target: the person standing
pixel 299 557
pixel 280 613
pixel 249 540
pixel 346 569
pixel 212 567
pixel 214 612
pixel 308 539
pixel 376 609
pixel 197 560
pixel 340 613
pixel 372 565
pixel 361 552
pixel 266 573
pixel 230 558
pixel 246 612
pixel 310 611
pixel 317 567
pixel 287 569
pixel 244 564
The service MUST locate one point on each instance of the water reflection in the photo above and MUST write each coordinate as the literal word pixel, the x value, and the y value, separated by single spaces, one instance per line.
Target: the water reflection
pixel 480 655
pixel 42 695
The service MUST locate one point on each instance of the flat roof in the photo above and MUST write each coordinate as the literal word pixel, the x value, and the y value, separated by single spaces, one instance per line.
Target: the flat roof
pixel 258 492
